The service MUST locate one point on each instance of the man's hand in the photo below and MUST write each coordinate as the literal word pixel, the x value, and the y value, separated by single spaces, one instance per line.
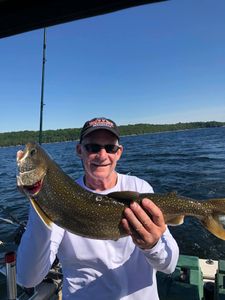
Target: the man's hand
pixel 144 230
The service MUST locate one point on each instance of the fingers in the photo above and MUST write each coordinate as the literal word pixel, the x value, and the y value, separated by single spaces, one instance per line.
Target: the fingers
pixel 19 154
pixel 138 218
pixel 137 238
pixel 146 226
pixel 154 211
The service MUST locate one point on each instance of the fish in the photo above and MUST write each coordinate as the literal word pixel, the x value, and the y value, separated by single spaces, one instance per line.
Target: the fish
pixel 58 199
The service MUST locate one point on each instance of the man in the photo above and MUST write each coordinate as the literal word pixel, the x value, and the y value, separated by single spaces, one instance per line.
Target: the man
pixel 102 269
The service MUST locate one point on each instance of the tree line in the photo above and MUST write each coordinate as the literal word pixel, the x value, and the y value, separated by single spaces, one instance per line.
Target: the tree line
pixel 72 134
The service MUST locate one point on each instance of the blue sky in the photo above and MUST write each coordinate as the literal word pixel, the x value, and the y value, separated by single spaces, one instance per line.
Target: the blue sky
pixel 160 63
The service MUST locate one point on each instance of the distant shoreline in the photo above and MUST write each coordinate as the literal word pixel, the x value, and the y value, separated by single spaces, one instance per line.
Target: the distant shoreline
pixel 72 134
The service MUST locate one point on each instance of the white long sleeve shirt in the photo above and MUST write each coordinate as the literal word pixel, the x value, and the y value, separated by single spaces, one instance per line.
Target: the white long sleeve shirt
pixel 95 269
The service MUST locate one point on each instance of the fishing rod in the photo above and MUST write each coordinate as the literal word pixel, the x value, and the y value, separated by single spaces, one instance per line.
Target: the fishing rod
pixel 13 220
pixel 7 221
pixel 21 226
pixel 42 87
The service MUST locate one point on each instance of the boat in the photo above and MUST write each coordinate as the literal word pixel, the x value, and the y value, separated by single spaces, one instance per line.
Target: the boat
pixel 193 279
pixel 49 289
pixel 18 17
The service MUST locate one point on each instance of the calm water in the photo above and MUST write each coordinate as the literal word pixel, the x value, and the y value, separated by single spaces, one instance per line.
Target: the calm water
pixel 189 162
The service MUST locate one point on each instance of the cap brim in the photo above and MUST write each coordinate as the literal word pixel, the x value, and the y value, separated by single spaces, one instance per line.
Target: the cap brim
pixel 90 130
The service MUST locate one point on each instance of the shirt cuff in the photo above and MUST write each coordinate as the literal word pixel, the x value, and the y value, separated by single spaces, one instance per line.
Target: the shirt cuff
pixel 154 250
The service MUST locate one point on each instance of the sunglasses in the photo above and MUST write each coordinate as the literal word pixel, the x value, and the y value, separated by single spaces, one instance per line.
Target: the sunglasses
pixel 95 148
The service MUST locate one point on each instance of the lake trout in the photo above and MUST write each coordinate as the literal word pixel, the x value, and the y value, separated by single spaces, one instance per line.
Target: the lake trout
pixel 57 198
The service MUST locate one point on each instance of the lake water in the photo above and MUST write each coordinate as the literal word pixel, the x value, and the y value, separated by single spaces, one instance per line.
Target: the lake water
pixel 190 162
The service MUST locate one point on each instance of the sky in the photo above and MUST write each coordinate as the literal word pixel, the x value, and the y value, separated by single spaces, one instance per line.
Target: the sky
pixel 157 63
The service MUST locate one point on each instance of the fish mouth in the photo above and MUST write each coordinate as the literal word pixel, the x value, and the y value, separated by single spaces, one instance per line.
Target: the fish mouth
pixel 30 181
pixel 33 189
pixel 29 185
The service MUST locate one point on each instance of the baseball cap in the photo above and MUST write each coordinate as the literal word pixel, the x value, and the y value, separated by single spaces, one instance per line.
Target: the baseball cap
pixel 99 123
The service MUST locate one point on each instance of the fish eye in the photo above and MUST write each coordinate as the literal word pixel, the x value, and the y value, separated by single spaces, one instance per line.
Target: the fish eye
pixel 98 198
pixel 32 151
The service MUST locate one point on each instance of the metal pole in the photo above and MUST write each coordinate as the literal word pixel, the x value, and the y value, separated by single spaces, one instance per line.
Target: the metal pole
pixel 42 88
pixel 10 260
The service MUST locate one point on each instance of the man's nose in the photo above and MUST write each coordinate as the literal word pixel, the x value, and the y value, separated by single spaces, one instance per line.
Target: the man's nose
pixel 102 152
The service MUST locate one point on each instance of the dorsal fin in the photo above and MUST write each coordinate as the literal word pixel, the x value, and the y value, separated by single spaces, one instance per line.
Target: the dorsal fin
pixel 172 194
pixel 125 196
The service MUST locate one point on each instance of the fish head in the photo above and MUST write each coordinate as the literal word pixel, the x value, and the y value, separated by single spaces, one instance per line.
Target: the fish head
pixel 32 168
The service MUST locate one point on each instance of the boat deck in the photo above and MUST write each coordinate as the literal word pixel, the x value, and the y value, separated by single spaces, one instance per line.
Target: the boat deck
pixel 194 278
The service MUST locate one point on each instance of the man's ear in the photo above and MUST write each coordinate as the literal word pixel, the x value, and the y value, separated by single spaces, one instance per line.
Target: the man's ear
pixel 78 150
pixel 119 152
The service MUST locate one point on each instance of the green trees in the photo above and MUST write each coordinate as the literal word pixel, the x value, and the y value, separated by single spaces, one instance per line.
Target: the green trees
pixel 70 134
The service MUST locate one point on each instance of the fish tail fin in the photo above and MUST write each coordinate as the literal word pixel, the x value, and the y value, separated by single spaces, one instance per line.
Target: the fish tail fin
pixel 215 222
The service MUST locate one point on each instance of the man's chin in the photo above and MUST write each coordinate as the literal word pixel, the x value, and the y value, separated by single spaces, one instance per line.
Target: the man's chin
pixel 101 173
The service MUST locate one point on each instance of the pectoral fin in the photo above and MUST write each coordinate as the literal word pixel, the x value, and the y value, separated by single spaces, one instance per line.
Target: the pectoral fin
pixel 215 222
pixel 214 225
pixel 173 221
pixel 45 219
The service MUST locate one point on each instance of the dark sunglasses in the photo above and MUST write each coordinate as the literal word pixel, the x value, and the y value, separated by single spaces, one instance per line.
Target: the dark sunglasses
pixel 95 148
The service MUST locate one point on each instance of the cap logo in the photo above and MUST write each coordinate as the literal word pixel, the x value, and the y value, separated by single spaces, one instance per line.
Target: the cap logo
pixel 101 122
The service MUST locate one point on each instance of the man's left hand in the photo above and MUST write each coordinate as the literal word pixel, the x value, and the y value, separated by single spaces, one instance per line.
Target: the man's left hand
pixel 144 230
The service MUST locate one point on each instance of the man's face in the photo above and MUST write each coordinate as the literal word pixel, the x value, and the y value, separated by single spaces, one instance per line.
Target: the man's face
pixel 100 165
